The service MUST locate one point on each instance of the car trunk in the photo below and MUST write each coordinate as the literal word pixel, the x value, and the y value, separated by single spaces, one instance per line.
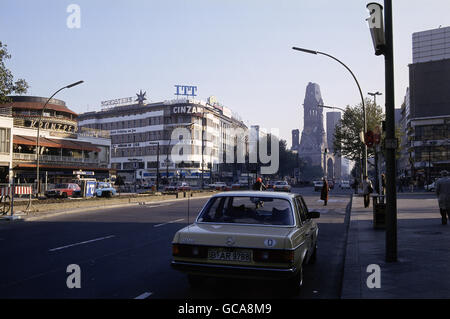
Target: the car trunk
pixel 226 235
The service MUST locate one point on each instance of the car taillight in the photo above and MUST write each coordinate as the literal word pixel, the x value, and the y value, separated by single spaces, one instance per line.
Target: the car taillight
pixel 274 256
pixel 189 251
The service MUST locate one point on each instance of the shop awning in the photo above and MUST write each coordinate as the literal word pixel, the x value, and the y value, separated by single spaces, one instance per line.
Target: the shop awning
pixel 55 143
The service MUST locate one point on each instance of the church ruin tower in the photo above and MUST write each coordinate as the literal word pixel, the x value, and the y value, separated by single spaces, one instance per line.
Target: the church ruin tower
pixel 313 141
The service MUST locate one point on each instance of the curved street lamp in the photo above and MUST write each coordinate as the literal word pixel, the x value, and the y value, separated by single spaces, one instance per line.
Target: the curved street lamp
pixel 360 93
pixel 38 184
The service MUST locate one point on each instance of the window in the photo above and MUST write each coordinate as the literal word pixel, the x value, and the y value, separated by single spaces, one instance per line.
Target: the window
pixel 301 209
pixel 248 210
pixel 5 140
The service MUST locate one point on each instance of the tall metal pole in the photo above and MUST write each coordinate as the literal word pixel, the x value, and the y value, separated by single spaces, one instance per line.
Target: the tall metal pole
pixel 203 132
pixel 377 168
pixel 38 184
pixel 360 93
pixel 390 141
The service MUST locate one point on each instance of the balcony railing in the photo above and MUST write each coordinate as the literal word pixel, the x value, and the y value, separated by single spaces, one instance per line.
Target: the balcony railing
pixel 55 159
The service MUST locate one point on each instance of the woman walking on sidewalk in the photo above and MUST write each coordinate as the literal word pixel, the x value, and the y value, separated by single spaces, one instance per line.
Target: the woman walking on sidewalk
pixel 367 189
pixel 443 193
pixel 324 192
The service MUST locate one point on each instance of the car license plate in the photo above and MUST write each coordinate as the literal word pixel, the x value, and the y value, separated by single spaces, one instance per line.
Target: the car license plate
pixel 230 255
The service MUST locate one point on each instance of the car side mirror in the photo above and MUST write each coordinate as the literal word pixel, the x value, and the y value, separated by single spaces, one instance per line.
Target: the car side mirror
pixel 313 215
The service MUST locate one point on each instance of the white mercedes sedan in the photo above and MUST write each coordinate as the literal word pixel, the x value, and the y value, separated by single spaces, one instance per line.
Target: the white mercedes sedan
pixel 248 234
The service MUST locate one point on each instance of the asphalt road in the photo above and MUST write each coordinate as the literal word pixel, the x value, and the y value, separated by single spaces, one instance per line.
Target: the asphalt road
pixel 126 252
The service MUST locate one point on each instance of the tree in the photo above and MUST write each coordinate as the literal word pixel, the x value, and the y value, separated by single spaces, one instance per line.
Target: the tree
pixel 347 134
pixel 288 160
pixel 7 84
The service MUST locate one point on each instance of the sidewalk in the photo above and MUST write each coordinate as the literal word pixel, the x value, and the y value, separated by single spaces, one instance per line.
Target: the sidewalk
pixel 422 269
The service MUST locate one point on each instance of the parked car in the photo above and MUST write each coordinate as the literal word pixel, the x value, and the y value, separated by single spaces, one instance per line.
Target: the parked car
pixel 344 185
pixel 171 187
pixel 281 186
pixel 183 186
pixel 105 189
pixel 318 186
pixel 236 186
pixel 330 184
pixel 220 186
pixel 262 235
pixel 63 190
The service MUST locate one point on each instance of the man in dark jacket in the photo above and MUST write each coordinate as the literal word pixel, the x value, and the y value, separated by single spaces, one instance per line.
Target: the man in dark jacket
pixel 259 185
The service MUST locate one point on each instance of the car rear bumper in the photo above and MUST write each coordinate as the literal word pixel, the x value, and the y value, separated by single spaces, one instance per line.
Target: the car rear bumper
pixel 215 270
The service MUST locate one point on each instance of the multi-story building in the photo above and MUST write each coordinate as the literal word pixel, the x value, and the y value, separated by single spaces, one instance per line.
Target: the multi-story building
pixel 143 139
pixel 295 139
pixel 65 151
pixel 333 119
pixel 6 128
pixel 426 115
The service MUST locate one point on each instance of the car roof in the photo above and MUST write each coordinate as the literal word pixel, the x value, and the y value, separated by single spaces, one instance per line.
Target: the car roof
pixel 258 194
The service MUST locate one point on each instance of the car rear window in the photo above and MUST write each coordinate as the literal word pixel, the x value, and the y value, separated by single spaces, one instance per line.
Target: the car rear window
pixel 61 186
pixel 247 210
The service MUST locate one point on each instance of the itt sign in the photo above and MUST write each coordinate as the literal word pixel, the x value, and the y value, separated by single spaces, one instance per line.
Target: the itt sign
pixel 186 90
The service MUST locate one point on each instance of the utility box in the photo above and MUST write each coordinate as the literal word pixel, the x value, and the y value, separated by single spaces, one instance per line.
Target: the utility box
pixel 379 212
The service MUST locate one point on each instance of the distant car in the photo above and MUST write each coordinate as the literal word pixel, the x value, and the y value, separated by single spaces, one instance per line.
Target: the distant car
pixel 344 185
pixel 270 184
pixel 282 186
pixel 171 188
pixel 63 190
pixel 330 184
pixel 183 186
pixel 318 185
pixel 249 235
pixel 220 186
pixel 105 189
pixel 236 186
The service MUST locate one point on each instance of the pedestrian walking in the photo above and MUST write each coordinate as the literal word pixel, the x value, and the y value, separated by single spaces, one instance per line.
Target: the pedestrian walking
pixel 383 184
pixel 443 194
pixel 367 190
pixel 400 184
pixel 355 185
pixel 259 185
pixel 324 192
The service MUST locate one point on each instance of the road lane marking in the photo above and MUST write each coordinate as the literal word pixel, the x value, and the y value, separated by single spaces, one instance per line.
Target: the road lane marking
pixel 82 243
pixel 171 222
pixel 150 205
pixel 145 295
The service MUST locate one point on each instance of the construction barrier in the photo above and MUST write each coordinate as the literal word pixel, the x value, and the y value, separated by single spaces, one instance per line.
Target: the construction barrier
pixel 18 190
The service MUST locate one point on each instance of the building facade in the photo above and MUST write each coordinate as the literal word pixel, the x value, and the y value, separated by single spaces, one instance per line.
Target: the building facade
pixel 334 169
pixel 146 139
pixel 65 151
pixel 6 147
pixel 426 111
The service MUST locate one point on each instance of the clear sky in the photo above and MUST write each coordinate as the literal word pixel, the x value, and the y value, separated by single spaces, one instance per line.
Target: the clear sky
pixel 237 50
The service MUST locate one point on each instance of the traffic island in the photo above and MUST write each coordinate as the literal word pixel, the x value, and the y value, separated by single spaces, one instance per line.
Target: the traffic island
pixel 41 208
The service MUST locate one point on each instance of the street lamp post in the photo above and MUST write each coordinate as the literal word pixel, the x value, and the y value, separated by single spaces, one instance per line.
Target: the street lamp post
pixel 38 184
pixel 377 168
pixel 382 36
pixel 360 93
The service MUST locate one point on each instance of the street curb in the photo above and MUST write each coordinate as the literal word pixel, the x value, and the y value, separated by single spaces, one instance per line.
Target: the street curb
pixel 88 209
pixel 352 284
pixel 348 212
